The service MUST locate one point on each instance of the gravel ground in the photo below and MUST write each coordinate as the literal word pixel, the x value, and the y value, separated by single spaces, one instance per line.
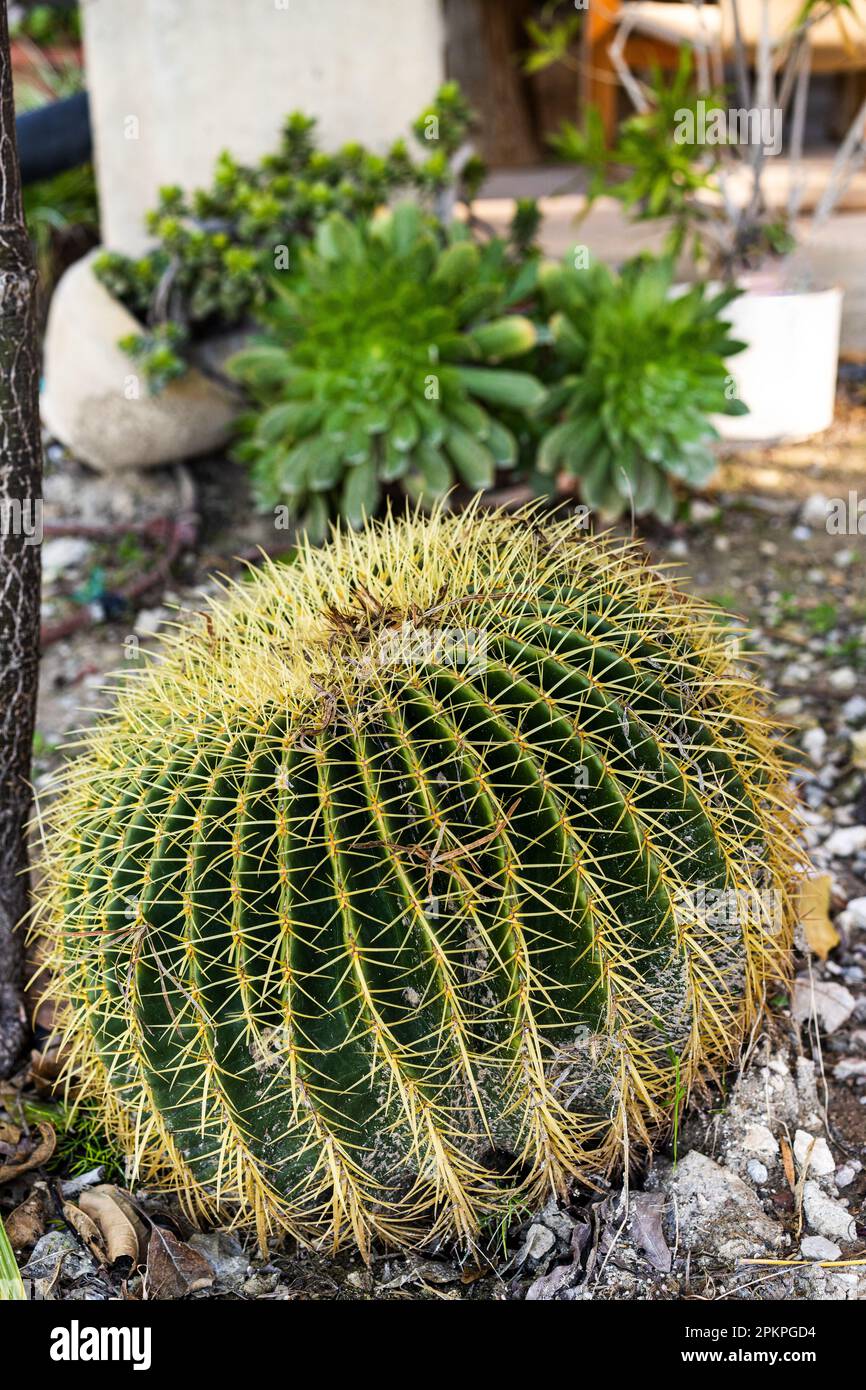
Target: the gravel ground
pixel 769 1167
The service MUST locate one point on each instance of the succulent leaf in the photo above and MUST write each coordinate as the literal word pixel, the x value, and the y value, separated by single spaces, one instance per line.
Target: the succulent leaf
pixel 646 369
pixel 377 344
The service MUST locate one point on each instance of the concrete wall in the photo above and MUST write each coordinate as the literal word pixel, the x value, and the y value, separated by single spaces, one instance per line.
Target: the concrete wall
pixel 173 82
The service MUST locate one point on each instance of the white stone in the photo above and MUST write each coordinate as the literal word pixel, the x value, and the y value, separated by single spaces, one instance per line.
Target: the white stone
pixel 843 679
pixel 846 841
pixel 538 1243
pixel 87 382
pixel 845 1175
pixel 814 743
pixel 831 1003
pixel 819 1248
pixel 757 1171
pixel 854 709
pixel 150 620
pixel 814 511
pixel 62 554
pixel 856 910
pixel 826 1217
pixel 812 1154
pixel 797 673
pixel 786 708
pixel 849 1067
pixel 172 85
pixel 760 1140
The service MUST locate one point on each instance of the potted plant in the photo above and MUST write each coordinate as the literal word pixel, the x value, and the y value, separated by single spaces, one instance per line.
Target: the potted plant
pixel 701 159
pixel 165 321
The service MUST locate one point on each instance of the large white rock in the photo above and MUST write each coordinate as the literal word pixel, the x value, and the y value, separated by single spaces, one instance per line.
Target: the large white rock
pixel 831 1003
pixel 172 84
pixel 92 401
pixel 717 1211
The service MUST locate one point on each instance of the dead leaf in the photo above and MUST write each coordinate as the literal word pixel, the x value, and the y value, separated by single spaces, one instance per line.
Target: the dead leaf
pixel 788 1163
pixel 40 1151
pixel 173 1267
pixel 45 1069
pixel 10 1135
pixel 123 1233
pixel 814 908
pixel 26 1223
pixel 87 1231
pixel 645 1214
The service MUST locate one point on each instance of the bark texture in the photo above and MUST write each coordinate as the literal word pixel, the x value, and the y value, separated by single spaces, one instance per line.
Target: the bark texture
pixel 20 493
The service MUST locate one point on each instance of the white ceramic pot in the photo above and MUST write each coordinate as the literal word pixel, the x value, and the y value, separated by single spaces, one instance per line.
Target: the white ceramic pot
pixel 93 400
pixel 787 373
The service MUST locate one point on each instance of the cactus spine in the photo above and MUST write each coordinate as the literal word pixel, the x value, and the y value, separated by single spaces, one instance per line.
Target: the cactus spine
pixel 434 868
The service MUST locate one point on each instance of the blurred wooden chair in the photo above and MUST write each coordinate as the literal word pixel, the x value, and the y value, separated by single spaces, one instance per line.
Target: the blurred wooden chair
pixel 621 35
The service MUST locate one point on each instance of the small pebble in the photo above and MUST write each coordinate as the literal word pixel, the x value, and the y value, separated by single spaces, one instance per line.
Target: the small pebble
pixel 811 1152
pixel 854 709
pixel 846 841
pixel 756 1171
pixel 814 744
pixel 856 908
pixel 814 512
pixel 819 1248
pixel 843 679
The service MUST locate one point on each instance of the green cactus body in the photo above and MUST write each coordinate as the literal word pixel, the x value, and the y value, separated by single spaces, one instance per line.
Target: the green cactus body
pixel 394 892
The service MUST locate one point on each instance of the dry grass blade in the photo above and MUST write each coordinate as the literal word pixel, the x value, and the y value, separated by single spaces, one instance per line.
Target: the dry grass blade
pixel 11 1284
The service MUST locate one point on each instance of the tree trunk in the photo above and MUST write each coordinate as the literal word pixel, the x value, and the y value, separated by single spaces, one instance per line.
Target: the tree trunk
pixel 484 41
pixel 20 532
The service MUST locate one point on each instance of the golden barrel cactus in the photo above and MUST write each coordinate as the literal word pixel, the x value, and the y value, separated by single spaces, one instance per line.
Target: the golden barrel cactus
pixel 431 870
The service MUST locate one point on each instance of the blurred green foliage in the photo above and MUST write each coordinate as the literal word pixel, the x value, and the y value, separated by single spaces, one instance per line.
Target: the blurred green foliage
pixel 646 169
pixel 217 247
pixel 47 25
pixel 381 365
pixel 640 370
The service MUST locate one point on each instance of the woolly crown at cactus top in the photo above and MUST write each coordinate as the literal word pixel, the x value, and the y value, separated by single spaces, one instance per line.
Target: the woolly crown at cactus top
pixel 399 889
